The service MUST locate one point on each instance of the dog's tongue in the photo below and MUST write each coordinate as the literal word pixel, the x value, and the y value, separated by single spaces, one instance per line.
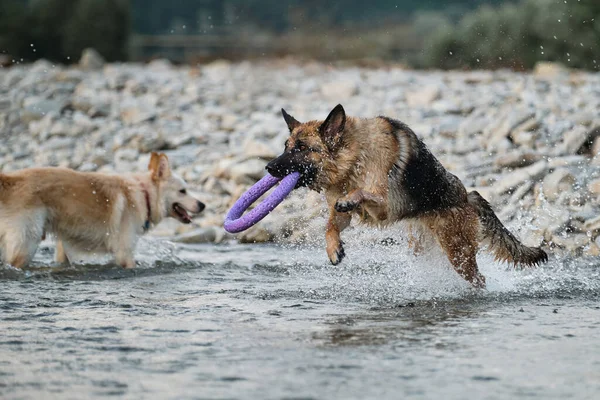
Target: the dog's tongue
pixel 182 213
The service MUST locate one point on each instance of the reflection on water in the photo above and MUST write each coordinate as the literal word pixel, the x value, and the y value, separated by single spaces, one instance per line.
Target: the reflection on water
pixel 239 321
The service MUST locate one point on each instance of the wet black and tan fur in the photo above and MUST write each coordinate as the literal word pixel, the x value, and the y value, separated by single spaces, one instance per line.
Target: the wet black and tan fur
pixel 379 170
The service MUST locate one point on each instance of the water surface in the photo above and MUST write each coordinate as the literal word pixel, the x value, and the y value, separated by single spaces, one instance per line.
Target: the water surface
pixel 275 322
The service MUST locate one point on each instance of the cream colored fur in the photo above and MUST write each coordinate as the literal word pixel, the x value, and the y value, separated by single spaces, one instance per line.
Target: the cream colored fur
pixel 87 212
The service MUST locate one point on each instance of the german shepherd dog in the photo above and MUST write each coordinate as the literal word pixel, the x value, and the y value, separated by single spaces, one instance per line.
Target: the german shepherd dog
pixel 380 170
pixel 87 212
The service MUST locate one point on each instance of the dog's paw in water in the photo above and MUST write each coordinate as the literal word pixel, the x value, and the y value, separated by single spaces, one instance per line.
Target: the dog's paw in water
pixel 343 205
pixel 337 254
pixel 478 281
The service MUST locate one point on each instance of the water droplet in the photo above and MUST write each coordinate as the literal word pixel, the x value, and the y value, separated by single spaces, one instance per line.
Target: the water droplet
pixel 93 192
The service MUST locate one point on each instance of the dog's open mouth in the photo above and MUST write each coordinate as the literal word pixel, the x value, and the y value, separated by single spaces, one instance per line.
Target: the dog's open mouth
pixel 181 214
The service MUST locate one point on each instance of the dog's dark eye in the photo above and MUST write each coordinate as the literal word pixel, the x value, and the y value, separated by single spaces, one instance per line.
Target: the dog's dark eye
pixel 302 147
pixel 183 191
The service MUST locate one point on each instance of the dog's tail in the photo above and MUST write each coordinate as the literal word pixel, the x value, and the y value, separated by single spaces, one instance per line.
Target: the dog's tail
pixel 504 245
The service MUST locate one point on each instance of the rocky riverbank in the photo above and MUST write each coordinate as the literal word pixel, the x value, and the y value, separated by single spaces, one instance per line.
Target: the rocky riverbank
pixel 529 142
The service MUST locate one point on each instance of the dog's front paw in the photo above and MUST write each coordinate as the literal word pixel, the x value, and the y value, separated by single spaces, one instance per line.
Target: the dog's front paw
pixel 478 281
pixel 337 254
pixel 343 205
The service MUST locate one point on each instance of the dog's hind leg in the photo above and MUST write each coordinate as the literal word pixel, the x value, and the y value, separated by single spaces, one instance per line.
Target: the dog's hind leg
pixel 456 231
pixel 336 224
pixel 60 255
pixel 20 244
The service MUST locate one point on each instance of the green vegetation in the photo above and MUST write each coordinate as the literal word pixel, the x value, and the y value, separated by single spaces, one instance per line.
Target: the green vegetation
pixel 432 34
pixel 518 35
pixel 60 29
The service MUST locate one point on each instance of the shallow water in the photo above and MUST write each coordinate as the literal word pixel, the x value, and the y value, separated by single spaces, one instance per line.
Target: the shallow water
pixel 272 322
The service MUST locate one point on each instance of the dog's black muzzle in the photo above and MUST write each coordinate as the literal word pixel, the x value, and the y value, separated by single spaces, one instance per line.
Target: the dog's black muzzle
pixel 287 163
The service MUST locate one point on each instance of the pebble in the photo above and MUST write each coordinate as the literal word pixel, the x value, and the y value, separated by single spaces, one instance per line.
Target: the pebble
pixel 91 59
pixel 200 235
pixel 594 187
pixel 516 160
pixel 511 181
pixel 557 182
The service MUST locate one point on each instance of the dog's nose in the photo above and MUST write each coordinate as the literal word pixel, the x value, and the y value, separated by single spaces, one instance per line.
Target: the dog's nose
pixel 270 168
pixel 201 206
pixel 274 167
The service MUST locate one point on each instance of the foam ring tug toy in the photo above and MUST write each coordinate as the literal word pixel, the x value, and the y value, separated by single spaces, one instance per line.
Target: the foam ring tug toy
pixel 236 222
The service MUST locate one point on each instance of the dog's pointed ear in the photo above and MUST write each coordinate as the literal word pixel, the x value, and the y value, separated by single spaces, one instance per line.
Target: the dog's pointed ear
pixel 153 164
pixel 291 122
pixel 160 167
pixel 331 130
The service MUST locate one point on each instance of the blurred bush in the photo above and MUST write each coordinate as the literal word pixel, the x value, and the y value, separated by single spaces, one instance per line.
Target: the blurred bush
pixel 518 35
pixel 15 22
pixel 59 30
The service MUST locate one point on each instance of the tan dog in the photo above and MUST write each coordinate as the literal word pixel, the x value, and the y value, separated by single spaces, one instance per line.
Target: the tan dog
pixel 379 170
pixel 87 212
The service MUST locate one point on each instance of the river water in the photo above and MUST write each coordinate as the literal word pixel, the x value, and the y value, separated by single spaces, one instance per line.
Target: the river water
pixel 278 322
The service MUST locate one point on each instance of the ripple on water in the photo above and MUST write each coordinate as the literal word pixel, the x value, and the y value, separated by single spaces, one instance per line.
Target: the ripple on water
pixel 233 320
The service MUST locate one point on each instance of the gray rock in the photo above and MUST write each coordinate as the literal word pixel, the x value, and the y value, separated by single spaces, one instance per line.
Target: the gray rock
pixel 339 91
pixel 592 225
pixel 91 59
pixel 135 115
pixel 229 122
pixel 572 242
pixel 557 182
pixel 5 105
pixel 566 161
pixel 93 106
pixel 248 171
pixel 596 147
pixel 256 234
pixel 254 148
pixel 200 235
pixel 516 159
pixel 516 178
pixel 423 97
pixel 57 143
pixel 594 187
pixel 549 70
pixel 574 139
pixel 40 109
pixel 514 121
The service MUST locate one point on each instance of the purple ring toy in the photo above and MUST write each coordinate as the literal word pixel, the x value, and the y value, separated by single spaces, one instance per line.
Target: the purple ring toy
pixel 235 222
